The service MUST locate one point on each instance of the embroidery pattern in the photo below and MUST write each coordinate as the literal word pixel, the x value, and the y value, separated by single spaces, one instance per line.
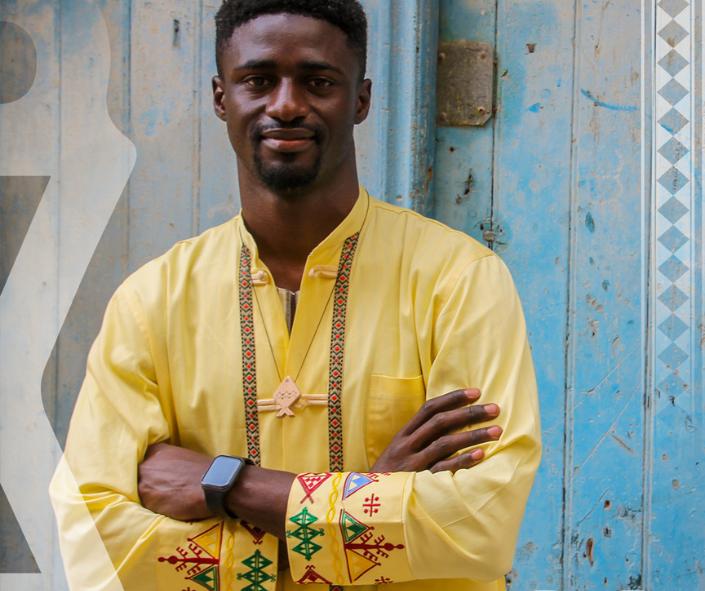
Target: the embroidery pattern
pixel 371 505
pixel 307 547
pixel 311 576
pixel 200 558
pixel 310 482
pixel 363 551
pixel 256 533
pixel 355 481
pixel 249 357
pixel 337 354
pixel 330 521
pixel 256 575
pixel 207 579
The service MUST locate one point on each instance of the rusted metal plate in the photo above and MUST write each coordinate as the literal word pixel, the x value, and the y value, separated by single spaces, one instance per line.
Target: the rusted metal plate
pixel 465 83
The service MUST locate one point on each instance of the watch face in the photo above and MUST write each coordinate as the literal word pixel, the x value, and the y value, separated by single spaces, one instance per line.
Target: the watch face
pixel 221 471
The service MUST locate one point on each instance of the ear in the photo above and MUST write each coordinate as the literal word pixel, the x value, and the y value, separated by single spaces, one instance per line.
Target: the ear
pixel 218 97
pixel 364 97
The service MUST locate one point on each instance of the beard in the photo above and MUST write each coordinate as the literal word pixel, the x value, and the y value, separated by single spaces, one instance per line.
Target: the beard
pixel 286 176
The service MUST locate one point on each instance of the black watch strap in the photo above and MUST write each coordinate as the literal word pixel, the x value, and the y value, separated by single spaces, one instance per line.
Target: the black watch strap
pixel 219 479
pixel 216 503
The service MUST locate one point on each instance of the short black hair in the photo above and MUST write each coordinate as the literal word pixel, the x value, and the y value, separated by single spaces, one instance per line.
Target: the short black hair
pixel 347 15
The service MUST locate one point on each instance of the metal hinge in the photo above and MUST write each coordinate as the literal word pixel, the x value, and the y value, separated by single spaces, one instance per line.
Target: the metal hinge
pixel 465 83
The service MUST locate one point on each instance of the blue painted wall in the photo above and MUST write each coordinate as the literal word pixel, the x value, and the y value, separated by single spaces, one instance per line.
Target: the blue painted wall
pixel 590 176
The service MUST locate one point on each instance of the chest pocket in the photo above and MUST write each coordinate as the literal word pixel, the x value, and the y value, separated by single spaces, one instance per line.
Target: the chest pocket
pixel 391 402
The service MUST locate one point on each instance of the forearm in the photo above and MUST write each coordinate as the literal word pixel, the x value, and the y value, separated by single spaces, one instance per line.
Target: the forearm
pixel 260 497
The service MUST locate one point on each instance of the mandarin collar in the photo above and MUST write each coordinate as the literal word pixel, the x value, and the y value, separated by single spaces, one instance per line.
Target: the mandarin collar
pixel 327 252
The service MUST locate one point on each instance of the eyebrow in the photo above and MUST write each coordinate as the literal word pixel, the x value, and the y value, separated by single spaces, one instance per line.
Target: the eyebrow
pixel 271 65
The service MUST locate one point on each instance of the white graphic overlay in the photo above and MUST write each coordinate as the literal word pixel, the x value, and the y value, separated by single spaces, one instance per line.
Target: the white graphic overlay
pixel 60 129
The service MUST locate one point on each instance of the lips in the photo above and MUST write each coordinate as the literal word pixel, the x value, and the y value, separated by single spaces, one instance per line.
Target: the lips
pixel 293 133
pixel 288 140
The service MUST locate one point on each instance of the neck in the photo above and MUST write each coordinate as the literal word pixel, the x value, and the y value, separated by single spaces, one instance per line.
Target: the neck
pixel 287 227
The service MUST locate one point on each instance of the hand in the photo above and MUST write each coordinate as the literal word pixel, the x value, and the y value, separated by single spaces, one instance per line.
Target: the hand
pixel 428 440
pixel 170 482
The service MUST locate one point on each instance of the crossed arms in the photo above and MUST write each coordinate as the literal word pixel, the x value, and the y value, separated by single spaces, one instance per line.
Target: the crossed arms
pixel 169 478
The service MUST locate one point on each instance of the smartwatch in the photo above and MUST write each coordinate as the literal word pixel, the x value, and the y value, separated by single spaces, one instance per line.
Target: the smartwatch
pixel 220 477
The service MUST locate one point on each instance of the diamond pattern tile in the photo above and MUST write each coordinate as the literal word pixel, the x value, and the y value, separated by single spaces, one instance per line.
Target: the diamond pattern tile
pixel 673 210
pixel 673 268
pixel 673 180
pixel 673 150
pixel 672 385
pixel 673 298
pixel 673 121
pixel 673 91
pixel 673 7
pixel 673 327
pixel 674 259
pixel 673 356
pixel 673 62
pixel 673 33
pixel 673 239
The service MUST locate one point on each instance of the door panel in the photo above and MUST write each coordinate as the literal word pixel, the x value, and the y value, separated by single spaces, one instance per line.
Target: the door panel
pixel 596 206
pixel 532 184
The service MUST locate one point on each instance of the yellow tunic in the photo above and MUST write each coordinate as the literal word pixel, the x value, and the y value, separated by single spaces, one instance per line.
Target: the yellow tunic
pixel 429 310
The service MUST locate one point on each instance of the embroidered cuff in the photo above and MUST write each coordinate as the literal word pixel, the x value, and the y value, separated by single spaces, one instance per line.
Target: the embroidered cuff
pixel 346 528
pixel 226 555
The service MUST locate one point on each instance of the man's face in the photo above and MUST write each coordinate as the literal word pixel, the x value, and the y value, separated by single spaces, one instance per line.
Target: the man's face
pixel 290 96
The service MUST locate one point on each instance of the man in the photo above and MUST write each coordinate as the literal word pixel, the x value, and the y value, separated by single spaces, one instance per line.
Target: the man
pixel 335 342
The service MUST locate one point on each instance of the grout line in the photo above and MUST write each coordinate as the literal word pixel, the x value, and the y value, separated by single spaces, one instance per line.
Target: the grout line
pixel 495 125
pixel 648 254
pixel 197 122
pixel 129 130
pixel 569 394
pixel 58 33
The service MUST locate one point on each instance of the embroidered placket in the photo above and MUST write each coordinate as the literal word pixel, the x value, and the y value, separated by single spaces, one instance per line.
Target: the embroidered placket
pixel 336 355
pixel 335 371
pixel 249 357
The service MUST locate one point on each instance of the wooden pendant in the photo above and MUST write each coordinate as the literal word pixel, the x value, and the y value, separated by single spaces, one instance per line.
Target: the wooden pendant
pixel 285 397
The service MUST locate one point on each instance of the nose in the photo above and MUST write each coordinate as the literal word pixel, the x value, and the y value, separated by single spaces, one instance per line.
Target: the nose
pixel 287 102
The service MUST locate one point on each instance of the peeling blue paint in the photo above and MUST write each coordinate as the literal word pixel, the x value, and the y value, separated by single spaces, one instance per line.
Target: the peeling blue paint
pixel 611 106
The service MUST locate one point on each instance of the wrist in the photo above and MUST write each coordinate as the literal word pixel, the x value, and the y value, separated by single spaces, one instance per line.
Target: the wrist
pixel 240 490
pixel 260 497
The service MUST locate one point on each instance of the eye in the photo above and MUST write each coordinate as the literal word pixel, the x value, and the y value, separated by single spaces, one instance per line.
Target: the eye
pixel 320 83
pixel 257 82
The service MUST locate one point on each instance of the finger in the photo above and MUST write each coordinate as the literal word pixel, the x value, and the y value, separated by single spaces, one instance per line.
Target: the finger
pixel 447 445
pixel 446 422
pixel 466 460
pixel 442 403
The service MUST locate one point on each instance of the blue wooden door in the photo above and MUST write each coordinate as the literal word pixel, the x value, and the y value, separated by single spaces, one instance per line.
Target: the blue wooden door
pixel 587 180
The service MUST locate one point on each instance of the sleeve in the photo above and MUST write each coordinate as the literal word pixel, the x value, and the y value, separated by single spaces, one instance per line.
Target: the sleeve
pixel 361 528
pixel 118 414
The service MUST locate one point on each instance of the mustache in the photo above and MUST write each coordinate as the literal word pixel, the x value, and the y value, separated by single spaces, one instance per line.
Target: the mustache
pixel 260 129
